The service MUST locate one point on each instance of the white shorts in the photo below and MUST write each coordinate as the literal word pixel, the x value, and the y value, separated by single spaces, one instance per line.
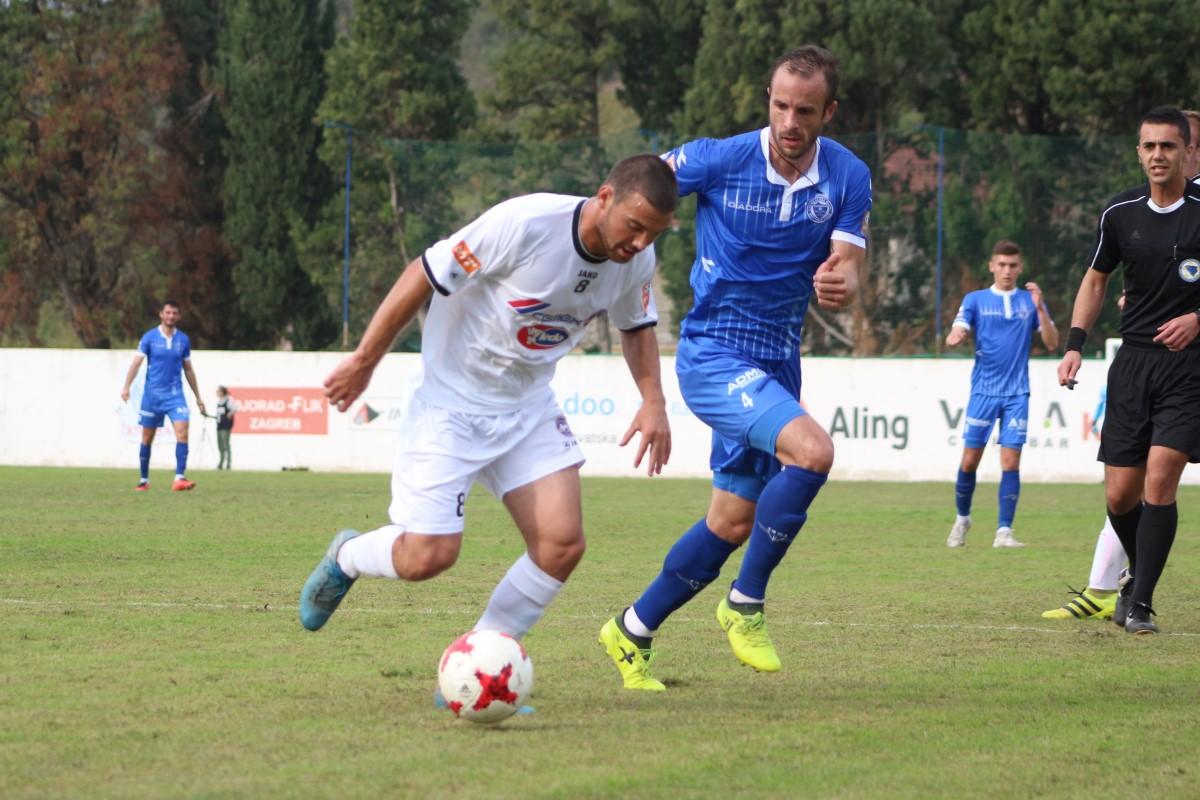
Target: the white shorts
pixel 442 452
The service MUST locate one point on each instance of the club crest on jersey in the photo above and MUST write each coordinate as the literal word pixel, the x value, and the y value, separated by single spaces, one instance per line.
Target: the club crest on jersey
pixel 818 209
pixel 527 305
pixel 646 296
pixel 541 337
pixel 1189 270
pixel 563 426
pixel 465 258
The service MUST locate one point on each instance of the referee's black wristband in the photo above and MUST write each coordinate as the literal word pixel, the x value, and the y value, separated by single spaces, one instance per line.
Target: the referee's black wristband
pixel 1075 339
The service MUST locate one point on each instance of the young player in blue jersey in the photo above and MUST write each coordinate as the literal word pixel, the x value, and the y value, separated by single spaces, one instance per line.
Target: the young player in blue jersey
pixel 1003 319
pixel 168 353
pixel 781 217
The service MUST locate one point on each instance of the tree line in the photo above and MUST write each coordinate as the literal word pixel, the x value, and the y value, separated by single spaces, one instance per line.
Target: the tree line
pixel 195 149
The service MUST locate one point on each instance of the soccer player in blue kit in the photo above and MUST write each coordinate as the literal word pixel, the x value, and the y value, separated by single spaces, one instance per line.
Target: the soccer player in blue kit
pixel 1003 318
pixel 781 216
pixel 168 352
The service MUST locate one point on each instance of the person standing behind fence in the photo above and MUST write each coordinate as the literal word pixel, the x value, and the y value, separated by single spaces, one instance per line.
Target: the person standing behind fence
pixel 226 410
pixel 168 353
pixel 1003 318
pixel 1152 424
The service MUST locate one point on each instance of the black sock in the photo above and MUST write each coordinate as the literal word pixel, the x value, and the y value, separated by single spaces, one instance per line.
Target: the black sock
pixel 1126 526
pixel 642 642
pixel 1156 534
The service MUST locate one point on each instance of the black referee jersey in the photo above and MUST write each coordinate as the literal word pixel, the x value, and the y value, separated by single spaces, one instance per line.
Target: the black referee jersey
pixel 1160 249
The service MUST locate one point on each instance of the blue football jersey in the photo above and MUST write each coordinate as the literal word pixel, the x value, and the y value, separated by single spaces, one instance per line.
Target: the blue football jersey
pixel 1003 324
pixel 164 361
pixel 759 239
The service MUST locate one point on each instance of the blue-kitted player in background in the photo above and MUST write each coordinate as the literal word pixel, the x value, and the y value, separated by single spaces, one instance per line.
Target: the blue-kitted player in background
pixel 1003 318
pixel 781 215
pixel 168 354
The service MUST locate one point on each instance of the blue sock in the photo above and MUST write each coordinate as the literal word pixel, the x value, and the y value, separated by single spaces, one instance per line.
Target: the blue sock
pixel 692 563
pixel 964 490
pixel 181 451
pixel 144 460
pixel 782 510
pixel 1010 490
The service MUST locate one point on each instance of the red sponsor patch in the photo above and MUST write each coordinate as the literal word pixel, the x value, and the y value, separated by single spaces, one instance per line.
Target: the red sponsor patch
pixel 465 258
pixel 646 296
pixel 277 410
pixel 541 337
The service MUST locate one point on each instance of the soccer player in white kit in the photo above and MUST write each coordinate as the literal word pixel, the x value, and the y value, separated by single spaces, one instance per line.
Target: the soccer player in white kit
pixel 513 292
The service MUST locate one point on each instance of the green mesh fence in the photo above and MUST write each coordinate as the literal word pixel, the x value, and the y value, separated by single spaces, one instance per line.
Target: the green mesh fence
pixel 931 228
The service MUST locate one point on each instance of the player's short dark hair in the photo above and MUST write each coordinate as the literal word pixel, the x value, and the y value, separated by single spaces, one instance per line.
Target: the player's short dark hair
pixel 807 60
pixel 1169 115
pixel 172 303
pixel 1006 247
pixel 647 175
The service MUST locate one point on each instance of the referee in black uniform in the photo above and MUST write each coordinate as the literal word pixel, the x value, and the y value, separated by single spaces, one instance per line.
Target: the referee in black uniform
pixel 1152 424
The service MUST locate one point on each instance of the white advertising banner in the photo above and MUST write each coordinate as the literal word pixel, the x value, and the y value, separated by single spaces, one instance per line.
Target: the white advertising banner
pixel 890 419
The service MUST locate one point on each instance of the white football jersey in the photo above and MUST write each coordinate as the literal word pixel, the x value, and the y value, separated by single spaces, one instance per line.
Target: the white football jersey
pixel 515 290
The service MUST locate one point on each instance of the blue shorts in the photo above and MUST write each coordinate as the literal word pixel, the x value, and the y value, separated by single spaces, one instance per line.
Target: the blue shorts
pixel 155 407
pixel 746 402
pixel 984 410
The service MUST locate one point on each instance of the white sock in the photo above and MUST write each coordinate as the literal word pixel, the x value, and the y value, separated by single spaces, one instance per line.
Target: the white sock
pixel 1108 560
pixel 520 599
pixel 737 597
pixel 370 553
pixel 634 624
pixel 958 518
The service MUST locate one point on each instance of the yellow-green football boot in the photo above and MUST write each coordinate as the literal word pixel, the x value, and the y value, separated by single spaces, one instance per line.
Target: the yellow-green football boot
pixel 1088 604
pixel 748 637
pixel 632 662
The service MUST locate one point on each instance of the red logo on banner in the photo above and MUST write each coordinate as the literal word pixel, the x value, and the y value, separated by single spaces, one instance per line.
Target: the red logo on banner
pixel 275 410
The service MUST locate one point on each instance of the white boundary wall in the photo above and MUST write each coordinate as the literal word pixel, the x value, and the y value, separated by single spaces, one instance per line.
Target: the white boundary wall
pixel 891 419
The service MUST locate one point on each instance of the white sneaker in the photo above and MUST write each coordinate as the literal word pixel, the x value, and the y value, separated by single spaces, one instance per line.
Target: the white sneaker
pixel 958 534
pixel 1005 538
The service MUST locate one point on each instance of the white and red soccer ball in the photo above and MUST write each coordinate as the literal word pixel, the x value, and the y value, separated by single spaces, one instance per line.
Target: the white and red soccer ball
pixel 485 676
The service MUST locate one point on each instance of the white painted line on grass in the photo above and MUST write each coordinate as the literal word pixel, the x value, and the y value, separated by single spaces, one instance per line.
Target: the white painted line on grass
pixel 431 612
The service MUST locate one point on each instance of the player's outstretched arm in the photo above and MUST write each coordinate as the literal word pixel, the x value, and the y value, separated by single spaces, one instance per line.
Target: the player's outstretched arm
pixel 956 336
pixel 835 282
pixel 190 374
pixel 641 354
pixel 1088 302
pixel 349 379
pixel 130 375
pixel 1045 322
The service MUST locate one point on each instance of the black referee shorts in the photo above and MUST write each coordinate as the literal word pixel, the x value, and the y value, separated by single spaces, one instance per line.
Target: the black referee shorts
pixel 1153 399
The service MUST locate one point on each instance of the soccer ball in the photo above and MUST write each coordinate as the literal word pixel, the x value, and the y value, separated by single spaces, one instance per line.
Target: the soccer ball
pixel 485 676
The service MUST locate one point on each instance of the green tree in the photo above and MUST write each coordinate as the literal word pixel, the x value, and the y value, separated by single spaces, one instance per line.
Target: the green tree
pixel 272 78
pixel 1058 66
pixel 189 211
pixel 82 84
pixel 394 80
pixel 656 47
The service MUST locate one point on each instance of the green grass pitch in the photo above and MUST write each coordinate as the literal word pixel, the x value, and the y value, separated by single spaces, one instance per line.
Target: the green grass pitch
pixel 149 647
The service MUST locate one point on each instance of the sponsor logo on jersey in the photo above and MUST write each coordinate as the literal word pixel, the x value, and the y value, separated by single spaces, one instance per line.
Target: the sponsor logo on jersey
pixel 646 296
pixel 465 258
pixel 745 379
pixel 541 337
pixel 818 208
pixel 527 305
pixel 1189 270
pixel 752 208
